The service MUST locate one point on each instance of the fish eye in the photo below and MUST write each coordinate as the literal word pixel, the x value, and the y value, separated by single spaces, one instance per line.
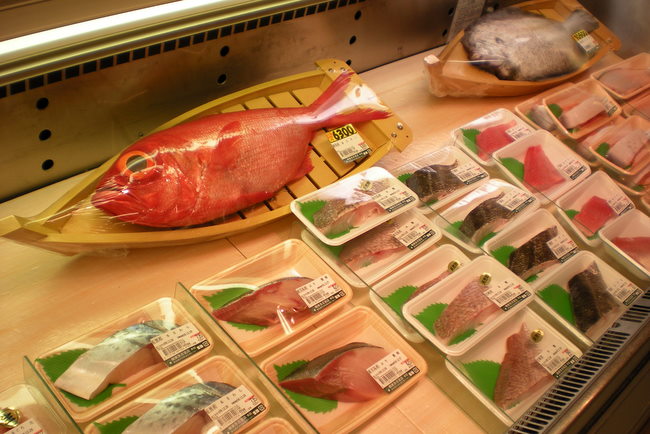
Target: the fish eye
pixel 134 162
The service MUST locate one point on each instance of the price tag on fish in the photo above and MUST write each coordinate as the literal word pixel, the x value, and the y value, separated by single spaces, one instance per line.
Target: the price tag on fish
pixel 348 143
pixel 393 198
pixel 179 343
pixel 562 246
pixel 320 293
pixel 620 204
pixel 572 167
pixel 413 233
pixel 518 131
pixel 28 427
pixel 515 200
pixel 556 359
pixel 507 294
pixel 586 41
pixel 469 173
pixel 625 291
pixel 234 409
pixel 393 370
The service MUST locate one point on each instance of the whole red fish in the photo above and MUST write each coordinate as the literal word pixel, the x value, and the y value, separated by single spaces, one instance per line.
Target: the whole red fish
pixel 210 167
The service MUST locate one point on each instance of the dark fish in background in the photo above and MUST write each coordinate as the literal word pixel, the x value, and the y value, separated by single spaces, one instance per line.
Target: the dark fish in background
pixel 534 255
pixel 590 299
pixel 518 45
pixel 486 217
pixel 434 181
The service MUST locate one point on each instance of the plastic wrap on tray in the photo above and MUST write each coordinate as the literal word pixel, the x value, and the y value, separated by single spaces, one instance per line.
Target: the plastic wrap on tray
pixel 639 105
pixel 114 362
pixel 262 301
pixel 627 239
pixel 626 78
pixel 23 408
pixel 213 396
pixel 534 112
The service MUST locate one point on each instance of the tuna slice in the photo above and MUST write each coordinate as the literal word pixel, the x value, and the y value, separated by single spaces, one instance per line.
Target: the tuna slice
pixel 534 255
pixel 582 113
pixel 429 284
pixel 625 80
pixel 486 217
pixel 181 412
pixel 520 374
pixel 268 304
pixel 467 310
pixel 626 149
pixel 636 247
pixel 434 182
pixel 494 138
pixel 590 299
pixel 539 172
pixel 593 215
pixel 371 247
pixel 339 374
pixel 113 360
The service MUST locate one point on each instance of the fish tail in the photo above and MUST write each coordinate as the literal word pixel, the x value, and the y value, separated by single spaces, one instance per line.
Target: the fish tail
pixel 336 107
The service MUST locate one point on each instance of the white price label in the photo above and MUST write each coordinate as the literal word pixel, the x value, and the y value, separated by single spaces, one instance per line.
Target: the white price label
pixel 414 233
pixel 393 198
pixel 469 173
pixel 348 143
pixel 393 370
pixel 507 294
pixel 620 203
pixel 556 359
pixel 586 41
pixel 572 167
pixel 515 200
pixel 518 131
pixel 625 291
pixel 320 292
pixel 562 246
pixel 28 427
pixel 234 409
pixel 179 343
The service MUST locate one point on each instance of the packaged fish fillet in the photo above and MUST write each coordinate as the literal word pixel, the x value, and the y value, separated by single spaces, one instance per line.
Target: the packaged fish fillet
pixel 487 134
pixel 262 301
pixel 543 165
pixel 116 361
pixel 344 372
pixel 459 310
pixel 481 214
pixel 441 177
pixel 213 396
pixel 584 145
pixel 25 409
pixel 639 105
pixel 512 367
pixel 534 112
pixel 346 209
pixel 366 259
pixel 627 240
pixel 390 294
pixel 626 78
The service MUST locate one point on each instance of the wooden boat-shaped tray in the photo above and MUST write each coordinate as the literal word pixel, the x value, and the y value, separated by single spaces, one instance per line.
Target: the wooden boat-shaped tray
pixel 71 225
pixel 452 73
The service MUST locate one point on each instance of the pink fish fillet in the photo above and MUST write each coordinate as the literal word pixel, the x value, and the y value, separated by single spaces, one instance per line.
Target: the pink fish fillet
pixel 636 247
pixel 628 147
pixel 520 374
pixel 371 247
pixel 467 310
pixel 593 215
pixel 625 80
pixel 429 284
pixel 583 112
pixel 539 172
pixel 494 138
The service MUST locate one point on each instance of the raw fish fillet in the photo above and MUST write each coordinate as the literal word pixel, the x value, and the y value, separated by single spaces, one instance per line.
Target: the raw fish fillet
pixel 494 138
pixel 520 374
pixel 182 411
pixel 268 304
pixel 625 80
pixel 429 284
pixel 540 116
pixel 622 153
pixel 500 42
pixel 534 255
pixel 113 360
pixel 593 215
pixel 466 311
pixel 636 247
pixel 539 172
pixel 339 374
pixel 583 112
pixel 373 246
pixel 590 299
pixel 434 181
pixel 488 216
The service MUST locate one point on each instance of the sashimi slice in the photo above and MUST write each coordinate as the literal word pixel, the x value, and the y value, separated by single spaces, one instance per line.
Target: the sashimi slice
pixel 372 247
pixel 494 138
pixel 623 152
pixel 539 172
pixel 593 215
pixel 636 247
pixel 583 112
pixel 339 374
pixel 268 304
pixel 625 80
pixel 467 310
pixel 520 373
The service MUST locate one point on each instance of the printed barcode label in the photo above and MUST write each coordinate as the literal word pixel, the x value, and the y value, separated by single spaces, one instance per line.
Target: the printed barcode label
pixel 620 204
pixel 515 200
pixel 507 294
pixel 413 233
pixel 348 143
pixel 556 359
pixel 625 291
pixel 180 343
pixel 28 427
pixel 393 370
pixel 562 246
pixel 320 292
pixel 572 167
pixel 518 131
pixel 586 41
pixel 469 173
pixel 235 409
pixel 610 107
pixel 393 198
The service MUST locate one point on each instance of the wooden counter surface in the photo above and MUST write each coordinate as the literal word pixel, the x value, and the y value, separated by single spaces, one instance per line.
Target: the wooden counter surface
pixel 49 299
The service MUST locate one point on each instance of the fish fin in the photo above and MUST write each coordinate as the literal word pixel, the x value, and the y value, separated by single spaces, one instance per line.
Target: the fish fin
pixel 229 151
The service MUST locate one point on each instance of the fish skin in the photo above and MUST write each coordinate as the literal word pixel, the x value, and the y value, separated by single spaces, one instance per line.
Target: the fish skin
pixel 534 255
pixel 593 215
pixel 486 217
pixel 636 247
pixel 583 112
pixel 429 284
pixel 494 138
pixel 373 246
pixel 173 412
pixel 339 374
pixel 625 80
pixel 539 172
pixel 265 305
pixel 520 373
pixel 114 359
pixel 211 167
pixel 501 43
pixel 434 181
pixel 590 299
pixel 539 114
pixel 624 151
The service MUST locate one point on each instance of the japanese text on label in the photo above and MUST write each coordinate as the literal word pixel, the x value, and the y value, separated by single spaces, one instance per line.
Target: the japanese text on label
pixel 572 167
pixel 393 370
pixel 320 292
pixel 620 203
pixel 515 200
pixel 556 359
pixel 518 131
pixel 562 246
pixel 348 143
pixel 413 233
pixel 625 291
pixel 586 41
pixel 393 198
pixel 28 427
pixel 469 173
pixel 179 343
pixel 507 294
pixel 235 409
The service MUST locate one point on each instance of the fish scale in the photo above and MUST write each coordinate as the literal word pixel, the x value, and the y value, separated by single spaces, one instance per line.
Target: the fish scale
pixel 486 217
pixel 433 181
pixel 590 299
pixel 534 255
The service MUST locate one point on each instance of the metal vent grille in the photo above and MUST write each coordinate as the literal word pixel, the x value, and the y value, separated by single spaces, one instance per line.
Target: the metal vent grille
pixel 541 416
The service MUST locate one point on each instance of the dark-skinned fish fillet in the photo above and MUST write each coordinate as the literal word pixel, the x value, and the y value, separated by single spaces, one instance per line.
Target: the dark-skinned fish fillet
pixel 486 217
pixel 434 181
pixel 534 255
pixel 590 299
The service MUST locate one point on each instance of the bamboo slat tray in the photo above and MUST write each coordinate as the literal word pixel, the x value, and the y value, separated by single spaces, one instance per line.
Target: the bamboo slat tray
pixel 71 225
pixel 452 74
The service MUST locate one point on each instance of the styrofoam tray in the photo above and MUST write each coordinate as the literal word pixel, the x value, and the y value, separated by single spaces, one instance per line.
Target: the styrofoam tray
pixel 632 224
pixel 639 62
pixel 523 109
pixel 33 410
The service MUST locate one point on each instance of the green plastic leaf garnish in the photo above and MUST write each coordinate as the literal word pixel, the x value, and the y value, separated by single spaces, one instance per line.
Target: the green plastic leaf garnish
pixel 116 426
pixel 603 149
pixel 399 297
pixel 283 371
pixel 430 314
pixel 571 213
pixel 247 327
pixel 486 238
pixel 502 254
pixel 559 299
pixel 532 278
pixel 404 176
pixel 454 228
pixel 555 109
pixel 514 166
pixel 484 374
pixel 309 403
pixel 469 138
pixel 308 209
pixel 462 336
pixel 338 234
pixel 225 296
